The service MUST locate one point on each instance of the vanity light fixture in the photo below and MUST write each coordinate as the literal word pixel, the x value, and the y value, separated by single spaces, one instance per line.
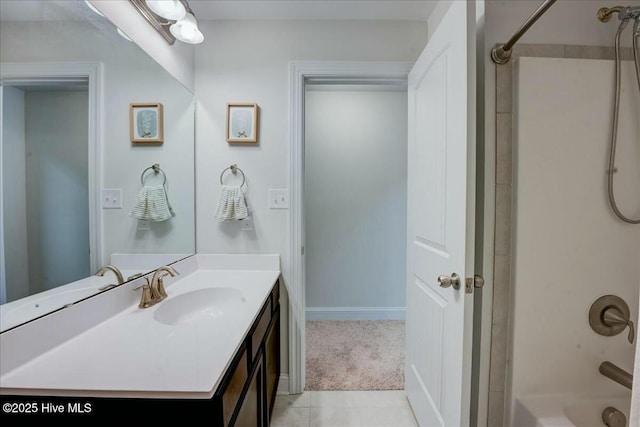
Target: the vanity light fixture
pixel 171 10
pixel 186 30
pixel 173 19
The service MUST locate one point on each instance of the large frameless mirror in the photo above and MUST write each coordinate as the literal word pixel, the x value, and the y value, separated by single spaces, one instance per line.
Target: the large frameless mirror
pixel 77 189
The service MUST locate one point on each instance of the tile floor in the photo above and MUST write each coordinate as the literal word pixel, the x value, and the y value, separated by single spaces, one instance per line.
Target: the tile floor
pixel 343 409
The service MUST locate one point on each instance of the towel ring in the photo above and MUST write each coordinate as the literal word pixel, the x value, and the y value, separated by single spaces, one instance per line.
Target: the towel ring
pixel 156 169
pixel 234 170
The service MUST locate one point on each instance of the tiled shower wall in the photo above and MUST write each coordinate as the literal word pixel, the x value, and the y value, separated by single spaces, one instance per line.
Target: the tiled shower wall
pixel 503 190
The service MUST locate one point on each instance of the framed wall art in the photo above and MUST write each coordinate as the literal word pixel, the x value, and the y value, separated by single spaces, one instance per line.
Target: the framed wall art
pixel 146 123
pixel 242 122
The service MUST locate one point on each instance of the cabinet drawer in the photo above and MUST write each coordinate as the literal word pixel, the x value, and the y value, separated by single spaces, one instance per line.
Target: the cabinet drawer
pixel 233 389
pixel 262 324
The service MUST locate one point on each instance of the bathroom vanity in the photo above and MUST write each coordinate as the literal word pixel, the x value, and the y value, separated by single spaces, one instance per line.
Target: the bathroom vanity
pixel 210 350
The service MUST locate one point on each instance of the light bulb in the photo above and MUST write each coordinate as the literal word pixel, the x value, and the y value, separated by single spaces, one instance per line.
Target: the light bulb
pixel 173 10
pixel 186 30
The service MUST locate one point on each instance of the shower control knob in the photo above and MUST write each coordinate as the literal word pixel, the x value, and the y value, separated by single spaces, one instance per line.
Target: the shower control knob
pixel 609 315
pixel 446 281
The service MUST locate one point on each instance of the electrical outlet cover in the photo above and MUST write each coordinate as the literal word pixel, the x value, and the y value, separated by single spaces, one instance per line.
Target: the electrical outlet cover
pixel 246 224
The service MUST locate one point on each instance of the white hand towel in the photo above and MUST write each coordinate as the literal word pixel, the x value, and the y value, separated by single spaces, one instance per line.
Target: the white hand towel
pixel 232 204
pixel 153 204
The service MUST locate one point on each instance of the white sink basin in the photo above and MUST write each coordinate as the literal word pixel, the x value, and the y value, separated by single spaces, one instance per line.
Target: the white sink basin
pixel 203 305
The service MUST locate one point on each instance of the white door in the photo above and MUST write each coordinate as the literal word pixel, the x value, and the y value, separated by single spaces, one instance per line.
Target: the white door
pixel 440 236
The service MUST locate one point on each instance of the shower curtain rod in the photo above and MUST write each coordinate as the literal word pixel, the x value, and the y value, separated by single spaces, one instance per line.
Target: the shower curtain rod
pixel 501 54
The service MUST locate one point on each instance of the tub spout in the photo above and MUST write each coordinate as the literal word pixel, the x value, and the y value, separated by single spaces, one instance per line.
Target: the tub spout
pixel 616 374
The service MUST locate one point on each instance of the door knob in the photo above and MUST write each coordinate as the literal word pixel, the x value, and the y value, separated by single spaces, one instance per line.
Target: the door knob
pixel 445 281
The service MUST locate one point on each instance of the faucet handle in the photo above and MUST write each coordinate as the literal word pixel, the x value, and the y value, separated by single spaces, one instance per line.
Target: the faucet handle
pixel 146 300
pixel 613 316
pixel 107 287
pixel 609 315
pixel 161 290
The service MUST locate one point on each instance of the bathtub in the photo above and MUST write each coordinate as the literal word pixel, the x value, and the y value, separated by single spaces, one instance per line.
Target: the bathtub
pixel 565 411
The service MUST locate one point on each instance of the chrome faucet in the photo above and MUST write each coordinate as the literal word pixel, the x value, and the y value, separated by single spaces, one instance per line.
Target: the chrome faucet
pixel 157 285
pixel 115 271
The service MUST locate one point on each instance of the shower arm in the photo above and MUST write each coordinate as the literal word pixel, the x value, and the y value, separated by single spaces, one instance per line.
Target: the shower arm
pixel 624 12
pixel 501 54
pixel 604 13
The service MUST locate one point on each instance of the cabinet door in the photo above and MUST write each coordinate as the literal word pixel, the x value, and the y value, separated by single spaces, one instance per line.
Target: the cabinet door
pixel 233 389
pixel 251 413
pixel 272 361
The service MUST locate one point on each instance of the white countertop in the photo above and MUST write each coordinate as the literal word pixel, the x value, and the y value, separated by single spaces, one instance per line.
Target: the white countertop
pixel 133 355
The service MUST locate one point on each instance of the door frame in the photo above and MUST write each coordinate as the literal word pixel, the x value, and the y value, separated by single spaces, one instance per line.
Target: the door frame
pixel 328 71
pixel 32 73
pixel 300 72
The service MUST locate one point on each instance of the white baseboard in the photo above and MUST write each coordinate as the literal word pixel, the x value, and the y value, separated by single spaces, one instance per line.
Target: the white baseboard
pixel 355 313
pixel 283 385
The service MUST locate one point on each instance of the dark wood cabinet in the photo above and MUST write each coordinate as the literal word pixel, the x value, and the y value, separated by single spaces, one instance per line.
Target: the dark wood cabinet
pixel 272 361
pixel 247 393
pixel 244 398
pixel 251 412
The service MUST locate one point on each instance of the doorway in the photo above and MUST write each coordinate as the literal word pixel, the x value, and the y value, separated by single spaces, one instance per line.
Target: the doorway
pixel 84 79
pixel 303 73
pixel 46 190
pixel 355 229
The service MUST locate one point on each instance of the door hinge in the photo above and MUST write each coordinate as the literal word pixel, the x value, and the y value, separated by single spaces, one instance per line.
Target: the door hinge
pixel 302 250
pixel 476 281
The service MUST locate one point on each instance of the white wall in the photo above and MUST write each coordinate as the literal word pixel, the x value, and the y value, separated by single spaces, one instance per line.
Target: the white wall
pixel 129 76
pixel 569 247
pixel 355 202
pixel 248 61
pixel 177 59
pixel 56 124
pixel 14 194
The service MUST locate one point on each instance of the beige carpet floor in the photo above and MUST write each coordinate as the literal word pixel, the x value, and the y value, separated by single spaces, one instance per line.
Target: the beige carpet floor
pixel 355 355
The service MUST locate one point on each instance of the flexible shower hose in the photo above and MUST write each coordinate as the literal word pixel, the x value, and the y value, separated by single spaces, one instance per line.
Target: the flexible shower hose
pixel 616 108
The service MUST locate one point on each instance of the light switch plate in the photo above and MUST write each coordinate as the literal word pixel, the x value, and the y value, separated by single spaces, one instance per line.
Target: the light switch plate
pixel 278 198
pixel 111 198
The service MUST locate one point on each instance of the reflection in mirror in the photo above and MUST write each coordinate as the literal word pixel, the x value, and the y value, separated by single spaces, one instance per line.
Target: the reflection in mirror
pixel 74 198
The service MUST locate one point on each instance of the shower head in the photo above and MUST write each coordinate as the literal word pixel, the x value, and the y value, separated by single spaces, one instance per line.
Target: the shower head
pixel 629 13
